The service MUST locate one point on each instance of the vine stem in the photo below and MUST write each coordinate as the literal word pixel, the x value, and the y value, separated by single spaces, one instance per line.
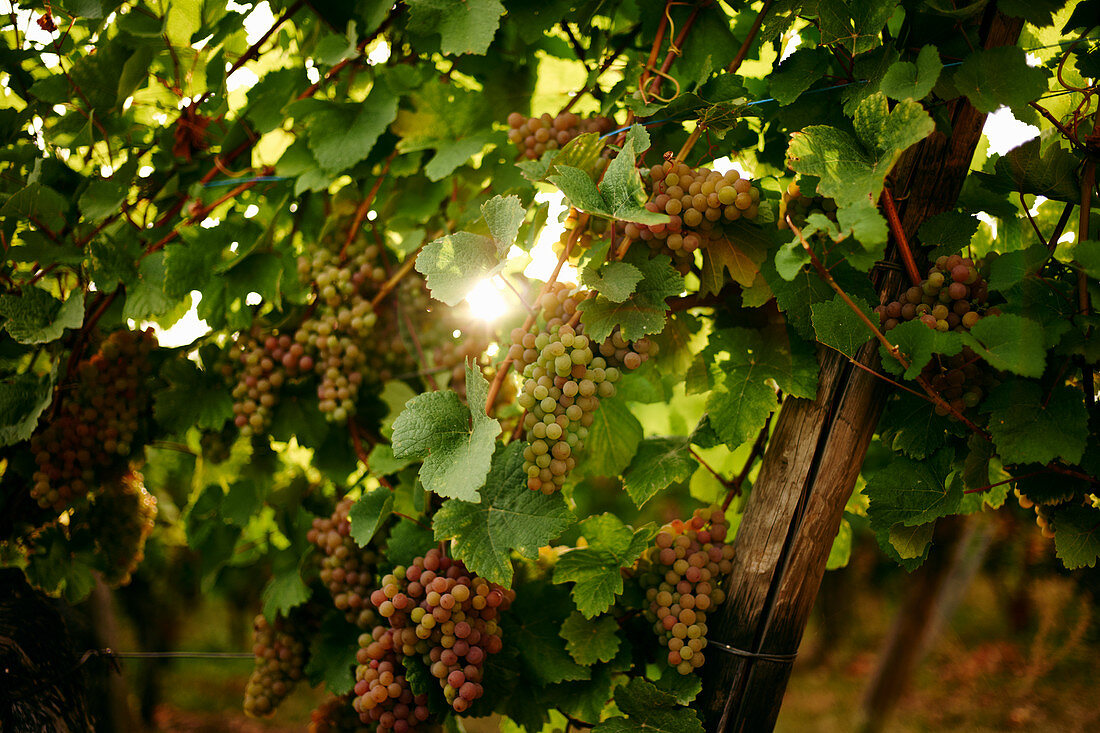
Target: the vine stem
pixel 702 462
pixel 899 237
pixel 1088 180
pixel 755 452
pixel 987 487
pixel 312 88
pixel 502 371
pixel 893 350
pixel 744 50
pixel 618 51
pixel 204 211
pixel 1034 224
pixel 364 206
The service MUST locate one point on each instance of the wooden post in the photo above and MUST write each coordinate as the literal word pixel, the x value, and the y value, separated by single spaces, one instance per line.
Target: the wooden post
pixel 813 459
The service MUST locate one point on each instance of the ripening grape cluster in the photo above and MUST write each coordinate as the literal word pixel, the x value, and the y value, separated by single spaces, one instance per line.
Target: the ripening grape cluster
pixel 682 575
pixel 564 375
pixel 408 309
pixel 535 135
pixel 260 365
pixel 280 653
pixel 698 201
pixel 443 613
pixel 347 570
pixel 383 697
pixel 94 434
pixel 952 298
pixel 120 520
pixel 336 715
pixel 799 207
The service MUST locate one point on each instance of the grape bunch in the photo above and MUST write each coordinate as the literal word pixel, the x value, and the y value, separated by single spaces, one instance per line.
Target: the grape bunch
pixel 259 366
pixel 408 310
pixel 336 715
pixel 698 201
pixel 440 611
pixel 383 696
pixel 535 135
pixel 563 380
pixel 280 658
pixel 347 570
pixel 94 435
pixel 682 574
pixel 799 207
pixel 952 298
pixel 120 520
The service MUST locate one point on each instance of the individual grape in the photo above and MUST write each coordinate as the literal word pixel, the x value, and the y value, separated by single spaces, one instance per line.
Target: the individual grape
pixel 682 574
pixel 95 432
pixel 535 135
pixel 280 658
pixel 799 207
pixel 120 520
pixel 347 570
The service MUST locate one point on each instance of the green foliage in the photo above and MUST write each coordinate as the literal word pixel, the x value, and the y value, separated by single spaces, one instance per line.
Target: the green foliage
pixel 595 569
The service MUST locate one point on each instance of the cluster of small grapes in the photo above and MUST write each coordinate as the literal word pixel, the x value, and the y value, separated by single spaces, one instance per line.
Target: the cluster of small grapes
pixel 120 520
pixel 799 207
pixel 682 574
pixel 280 658
pixel 383 697
pixel 259 366
pixel 346 568
pixel 342 319
pixel 698 201
pixel 952 297
pixel 94 435
pixel 563 381
pixel 445 614
pixel 1042 513
pixel 336 715
pixel 409 308
pixel 535 135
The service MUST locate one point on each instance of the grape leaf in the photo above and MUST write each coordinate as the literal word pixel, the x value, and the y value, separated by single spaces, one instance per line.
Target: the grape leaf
pixel 594 569
pixel 851 168
pixel 740 251
pixel 1077 536
pixel 659 463
pixel 579 189
pixel 614 281
pixel 331 657
pixel 646 708
pixel 284 591
pixel 1010 343
pixel 919 344
pixel 1051 172
pixel 643 312
pixel 466 27
pixel 613 438
pixel 407 541
pixel 949 232
pixel 912 492
pixel 343 134
pixel 1029 426
pixel 910 425
pixel 797 73
pixel 456 442
pixel 22 400
pixel 907 80
pixel 590 641
pixel 509 518
pixel 853 24
pixel 1087 255
pixel 369 514
pixel 533 624
pixel 837 326
pixel 193 398
pixel 684 687
pixel 996 77
pixel 36 317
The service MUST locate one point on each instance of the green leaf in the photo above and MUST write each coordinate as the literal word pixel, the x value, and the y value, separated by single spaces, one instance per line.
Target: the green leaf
pixel 740 251
pixel 797 73
pixel 912 492
pixel 622 188
pixel 851 169
pixel 837 326
pixel 1051 172
pixel 407 541
pixel 331 657
pixel 466 27
pixel 22 400
pixel 102 197
pixel 1009 342
pixel 533 624
pixel 841 550
pixel 456 442
pixel 910 425
pixel 906 80
pixel 949 232
pixel 510 517
pixel 503 215
pixel 382 462
pixel 590 641
pixel 595 569
pixel 1000 76
pixel 854 24
pixel 193 398
pixel 343 134
pixel 659 463
pixel 615 281
pixel 640 314
pixel 613 438
pixel 369 514
pixel 283 592
pixel 36 317
pixel 455 263
pixel 1087 256
pixel 646 708
pixel 1077 536
pixel 580 190
pixel 1029 426
pixel 919 344
pixel 911 543
pixel 684 687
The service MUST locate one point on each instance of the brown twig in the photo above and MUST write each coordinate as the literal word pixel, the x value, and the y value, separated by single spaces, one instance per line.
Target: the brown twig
pixel 395 278
pixel 755 452
pixel 1088 180
pixel 203 211
pixel 1060 227
pixel 702 462
pixel 744 50
pixel 899 237
pixel 602 68
pixel 364 206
